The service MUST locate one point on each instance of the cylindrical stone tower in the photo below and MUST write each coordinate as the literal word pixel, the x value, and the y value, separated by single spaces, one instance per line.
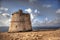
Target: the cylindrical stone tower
pixel 20 22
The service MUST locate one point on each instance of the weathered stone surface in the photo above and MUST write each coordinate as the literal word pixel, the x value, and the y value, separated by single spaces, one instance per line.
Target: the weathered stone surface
pixel 20 22
pixel 40 35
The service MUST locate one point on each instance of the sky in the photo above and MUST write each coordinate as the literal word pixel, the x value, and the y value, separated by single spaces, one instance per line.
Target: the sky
pixel 42 12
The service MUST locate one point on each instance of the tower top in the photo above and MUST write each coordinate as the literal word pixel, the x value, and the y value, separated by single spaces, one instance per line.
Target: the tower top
pixel 20 11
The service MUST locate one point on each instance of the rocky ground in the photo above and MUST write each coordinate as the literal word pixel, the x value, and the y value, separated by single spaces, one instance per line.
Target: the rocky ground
pixel 37 35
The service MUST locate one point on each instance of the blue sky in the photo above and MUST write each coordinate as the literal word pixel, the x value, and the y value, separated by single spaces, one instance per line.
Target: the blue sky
pixel 43 12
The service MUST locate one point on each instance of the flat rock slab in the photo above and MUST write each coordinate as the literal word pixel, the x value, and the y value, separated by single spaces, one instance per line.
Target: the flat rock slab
pixel 38 35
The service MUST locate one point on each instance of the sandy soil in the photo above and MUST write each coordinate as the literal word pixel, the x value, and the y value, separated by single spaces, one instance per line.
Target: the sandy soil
pixel 38 35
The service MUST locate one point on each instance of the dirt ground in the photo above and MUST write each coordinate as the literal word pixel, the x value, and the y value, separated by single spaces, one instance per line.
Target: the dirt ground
pixel 37 35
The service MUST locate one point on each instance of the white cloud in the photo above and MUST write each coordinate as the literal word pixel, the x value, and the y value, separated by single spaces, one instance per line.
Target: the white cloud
pixel 36 11
pixel 6 9
pixel 3 8
pixel 29 10
pixel 0 12
pixel 58 11
pixel 32 16
pixel 5 14
pixel 46 22
pixel 33 13
pixel 32 0
pixel 46 19
pixel 47 5
pixel 8 22
pixel 5 19
pixel 38 22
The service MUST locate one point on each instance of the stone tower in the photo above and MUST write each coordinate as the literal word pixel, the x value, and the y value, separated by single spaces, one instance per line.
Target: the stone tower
pixel 20 22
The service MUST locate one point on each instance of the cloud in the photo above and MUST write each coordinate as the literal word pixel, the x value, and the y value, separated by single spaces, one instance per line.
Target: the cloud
pixel 58 14
pixel 58 11
pixel 32 17
pixel 29 10
pixel 4 14
pixel 37 22
pixel 45 22
pixel 46 19
pixel 32 0
pixel 5 19
pixel 47 5
pixel 6 9
pixel 0 12
pixel 3 8
pixel 36 11
pixel 33 13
